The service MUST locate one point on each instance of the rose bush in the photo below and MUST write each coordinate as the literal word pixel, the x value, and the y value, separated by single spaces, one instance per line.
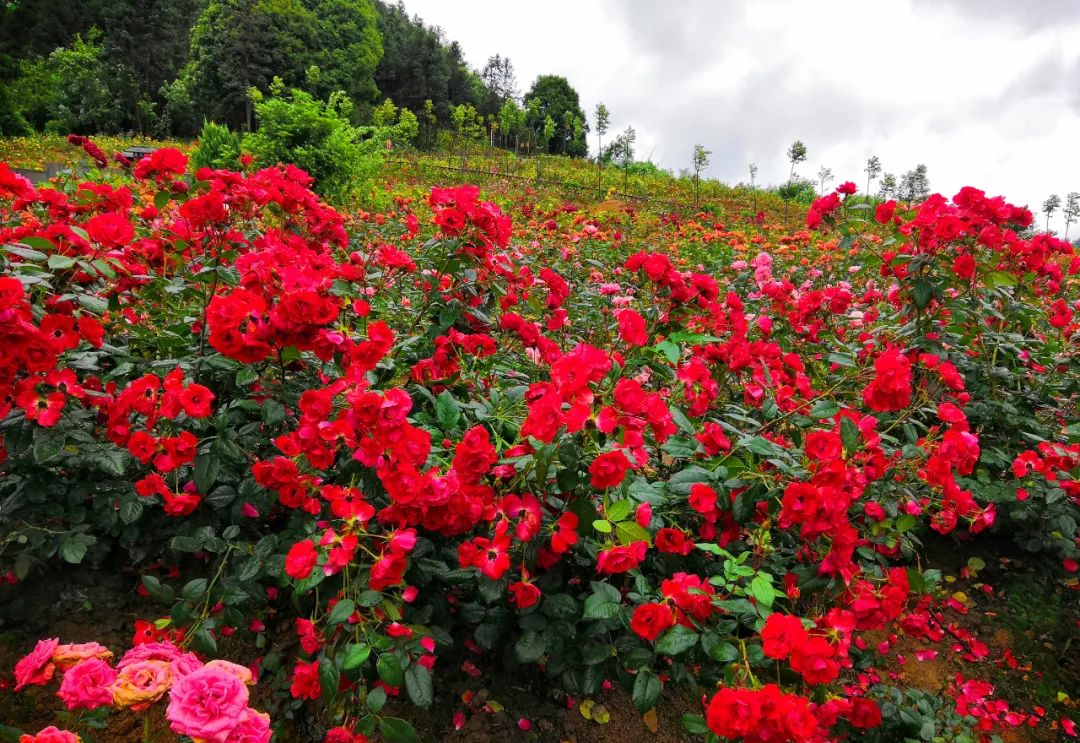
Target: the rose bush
pixel 708 464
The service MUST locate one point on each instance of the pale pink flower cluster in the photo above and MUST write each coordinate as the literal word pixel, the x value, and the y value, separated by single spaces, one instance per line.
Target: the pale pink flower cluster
pixel 207 702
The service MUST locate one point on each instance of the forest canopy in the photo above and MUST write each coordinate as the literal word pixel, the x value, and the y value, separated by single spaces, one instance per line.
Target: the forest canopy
pixel 85 68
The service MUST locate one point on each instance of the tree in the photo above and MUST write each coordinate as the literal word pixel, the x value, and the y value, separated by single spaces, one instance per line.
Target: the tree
pixel 83 102
pixel 914 185
pixel 873 170
pixel 1071 210
pixel 556 98
pixel 824 175
pixel 602 120
pixel 419 65
pixel 1049 207
pixel 795 155
pixel 500 83
pixel 347 47
pixel 624 152
pixel 700 162
pixel 467 125
pixel 543 139
pixel 888 186
pixel 511 121
pixel 241 44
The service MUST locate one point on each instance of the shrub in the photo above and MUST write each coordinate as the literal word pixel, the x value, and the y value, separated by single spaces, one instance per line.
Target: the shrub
pixel 421 434
pixel 218 147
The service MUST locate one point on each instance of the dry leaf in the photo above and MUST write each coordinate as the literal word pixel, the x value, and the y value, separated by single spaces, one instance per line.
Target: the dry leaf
pixel 651 721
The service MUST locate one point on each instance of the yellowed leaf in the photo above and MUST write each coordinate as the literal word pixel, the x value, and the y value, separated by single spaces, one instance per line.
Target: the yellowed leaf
pixel 600 714
pixel 651 721
pixel 586 708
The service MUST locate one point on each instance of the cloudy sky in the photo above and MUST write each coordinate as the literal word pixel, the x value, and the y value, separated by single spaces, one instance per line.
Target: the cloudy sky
pixel 984 92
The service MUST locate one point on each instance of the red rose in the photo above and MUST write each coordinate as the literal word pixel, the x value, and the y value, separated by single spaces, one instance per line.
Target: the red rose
pixel 523 595
pixel 864 713
pixel 632 328
pixel 305 683
pixel 781 634
pixel 110 230
pixel 301 560
pixel 621 559
pixel 673 542
pixel 650 620
pixel 608 469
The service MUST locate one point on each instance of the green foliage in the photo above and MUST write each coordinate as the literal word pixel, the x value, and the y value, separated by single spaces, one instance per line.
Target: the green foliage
pixel 556 98
pixel 418 66
pixel 218 147
pixel 317 136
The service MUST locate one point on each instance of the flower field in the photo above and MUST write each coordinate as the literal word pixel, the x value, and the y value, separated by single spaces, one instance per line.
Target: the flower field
pixel 735 472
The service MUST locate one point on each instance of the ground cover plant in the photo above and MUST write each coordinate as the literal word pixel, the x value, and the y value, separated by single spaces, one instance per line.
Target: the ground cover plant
pixel 697 456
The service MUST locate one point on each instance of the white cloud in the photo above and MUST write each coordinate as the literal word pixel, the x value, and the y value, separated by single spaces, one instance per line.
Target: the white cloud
pixel 984 92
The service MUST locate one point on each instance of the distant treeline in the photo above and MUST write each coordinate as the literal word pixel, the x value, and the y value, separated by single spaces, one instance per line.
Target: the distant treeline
pixel 163 67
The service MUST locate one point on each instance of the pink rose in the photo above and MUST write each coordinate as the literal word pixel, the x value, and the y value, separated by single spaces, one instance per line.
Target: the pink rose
pixel 88 685
pixel 37 667
pixel 66 656
pixel 141 683
pixel 254 727
pixel 51 734
pixel 163 651
pixel 207 704
pixel 185 664
pixel 241 672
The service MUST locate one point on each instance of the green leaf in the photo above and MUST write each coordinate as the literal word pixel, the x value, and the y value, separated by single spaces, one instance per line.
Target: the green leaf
pixel 849 435
pixel 670 351
pixel 718 649
pixel 10 734
pixel 922 293
pixel 112 462
pixel 27 253
pixel 418 684
pixel 329 678
pixel 647 689
pixel 341 612
pixel 998 279
pixel 204 642
pixel 761 588
pixel 602 525
pixel 599 606
pixel 681 420
pixel 193 589
pixel 906 522
pixel 369 598
pixel 447 412
pixel 618 510
pixel 629 532
pixel 531 647
pixel 389 669
pixel 695 724
pixel 59 262
pixel 763 447
pixel 73 547
pixel 376 700
pixel 130 510
pixel 97 305
pixel 676 640
pixel 824 409
pixel 273 412
pixel 48 443
pixel 355 655
pixel 161 199
pixel 397 731
pixel 158 590
pixel 207 467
